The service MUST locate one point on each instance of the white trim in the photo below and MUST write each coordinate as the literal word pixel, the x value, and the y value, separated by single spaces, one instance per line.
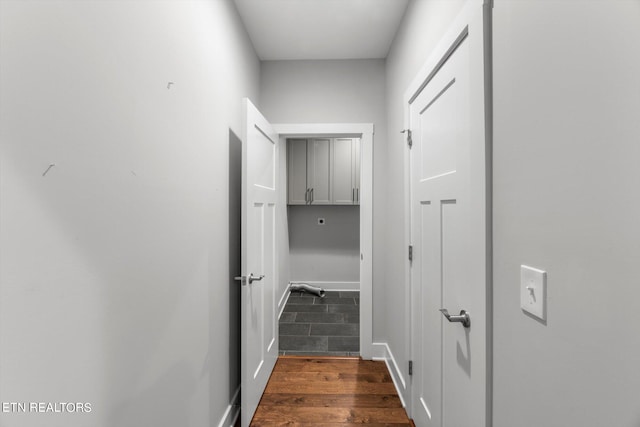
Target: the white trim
pixel 302 130
pixel 426 408
pixel 382 351
pixel 232 412
pixel 283 300
pixel 331 286
pixel 365 132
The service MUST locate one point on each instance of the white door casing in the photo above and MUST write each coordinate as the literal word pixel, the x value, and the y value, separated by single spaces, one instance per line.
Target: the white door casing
pixel 365 132
pixel 260 195
pixel 449 230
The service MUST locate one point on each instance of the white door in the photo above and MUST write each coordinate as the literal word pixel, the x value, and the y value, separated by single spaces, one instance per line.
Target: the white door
pixel 259 198
pixel 449 237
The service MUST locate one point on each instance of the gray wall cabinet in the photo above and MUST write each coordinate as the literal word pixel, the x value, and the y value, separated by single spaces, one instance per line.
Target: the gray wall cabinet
pixel 323 171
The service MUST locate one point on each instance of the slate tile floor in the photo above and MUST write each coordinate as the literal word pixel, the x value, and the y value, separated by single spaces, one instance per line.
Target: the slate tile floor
pixel 328 326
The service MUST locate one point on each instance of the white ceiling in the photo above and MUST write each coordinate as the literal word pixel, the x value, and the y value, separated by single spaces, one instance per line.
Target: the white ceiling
pixel 321 29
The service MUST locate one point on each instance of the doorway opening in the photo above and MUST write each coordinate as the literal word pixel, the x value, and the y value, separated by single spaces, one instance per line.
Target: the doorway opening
pixel 321 316
pixel 327 170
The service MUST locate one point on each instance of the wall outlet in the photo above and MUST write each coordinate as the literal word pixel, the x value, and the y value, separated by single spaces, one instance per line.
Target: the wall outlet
pixel 533 291
pixel 320 221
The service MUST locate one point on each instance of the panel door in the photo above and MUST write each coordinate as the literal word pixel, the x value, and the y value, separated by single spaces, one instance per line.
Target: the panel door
pixel 343 186
pixel 297 171
pixel 448 232
pixel 260 196
pixel 319 171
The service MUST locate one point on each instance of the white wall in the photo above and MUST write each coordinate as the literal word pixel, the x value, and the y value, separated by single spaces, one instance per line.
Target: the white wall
pixel 115 281
pixel 423 25
pixel 324 253
pixel 566 150
pixel 342 91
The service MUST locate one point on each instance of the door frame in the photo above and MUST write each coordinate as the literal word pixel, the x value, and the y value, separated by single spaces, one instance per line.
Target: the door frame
pixel 365 132
pixel 482 64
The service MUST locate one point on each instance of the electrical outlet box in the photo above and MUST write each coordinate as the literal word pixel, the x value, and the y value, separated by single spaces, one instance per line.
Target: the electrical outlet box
pixel 533 291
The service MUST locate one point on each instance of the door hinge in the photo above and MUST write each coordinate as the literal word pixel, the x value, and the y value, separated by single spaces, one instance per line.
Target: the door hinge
pixel 409 139
pixel 410 367
pixel 410 252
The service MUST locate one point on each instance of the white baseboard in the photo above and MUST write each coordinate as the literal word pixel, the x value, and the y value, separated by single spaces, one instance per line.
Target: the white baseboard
pixel 331 286
pixel 283 300
pixel 381 351
pixel 233 411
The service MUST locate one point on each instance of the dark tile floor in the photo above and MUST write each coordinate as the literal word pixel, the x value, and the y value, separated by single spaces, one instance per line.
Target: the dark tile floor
pixel 317 326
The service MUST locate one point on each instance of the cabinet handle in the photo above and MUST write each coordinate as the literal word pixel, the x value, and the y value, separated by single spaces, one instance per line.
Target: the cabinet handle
pixel 311 196
pixel 306 196
pixel 357 195
pixel 353 194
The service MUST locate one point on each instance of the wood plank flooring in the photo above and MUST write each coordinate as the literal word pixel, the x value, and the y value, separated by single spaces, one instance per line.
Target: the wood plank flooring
pixel 330 391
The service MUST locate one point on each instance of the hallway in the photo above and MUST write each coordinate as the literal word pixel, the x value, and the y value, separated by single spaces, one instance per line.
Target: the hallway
pixel 330 391
pixel 121 133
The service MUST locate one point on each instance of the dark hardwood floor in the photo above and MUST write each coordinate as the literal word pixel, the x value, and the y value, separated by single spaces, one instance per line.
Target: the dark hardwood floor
pixel 330 391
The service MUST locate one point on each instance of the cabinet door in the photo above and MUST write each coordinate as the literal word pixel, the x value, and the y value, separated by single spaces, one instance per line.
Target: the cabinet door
pixel 343 188
pixel 356 169
pixel 319 171
pixel 297 173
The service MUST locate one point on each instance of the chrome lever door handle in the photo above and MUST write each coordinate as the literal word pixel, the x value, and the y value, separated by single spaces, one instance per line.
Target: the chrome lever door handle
pixel 464 317
pixel 244 279
pixel 253 278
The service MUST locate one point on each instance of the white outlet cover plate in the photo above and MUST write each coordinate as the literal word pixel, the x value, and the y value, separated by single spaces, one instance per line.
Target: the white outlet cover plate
pixel 533 291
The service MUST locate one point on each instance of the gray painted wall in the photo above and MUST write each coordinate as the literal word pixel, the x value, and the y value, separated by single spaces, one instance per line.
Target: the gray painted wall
pixel 566 151
pixel 324 253
pixel 346 91
pixel 115 282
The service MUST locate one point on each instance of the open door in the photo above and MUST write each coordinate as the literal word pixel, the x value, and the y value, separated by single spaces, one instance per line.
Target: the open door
pixel 259 325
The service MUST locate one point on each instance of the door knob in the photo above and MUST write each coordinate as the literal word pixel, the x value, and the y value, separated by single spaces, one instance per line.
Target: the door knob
pixel 251 279
pixel 463 317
